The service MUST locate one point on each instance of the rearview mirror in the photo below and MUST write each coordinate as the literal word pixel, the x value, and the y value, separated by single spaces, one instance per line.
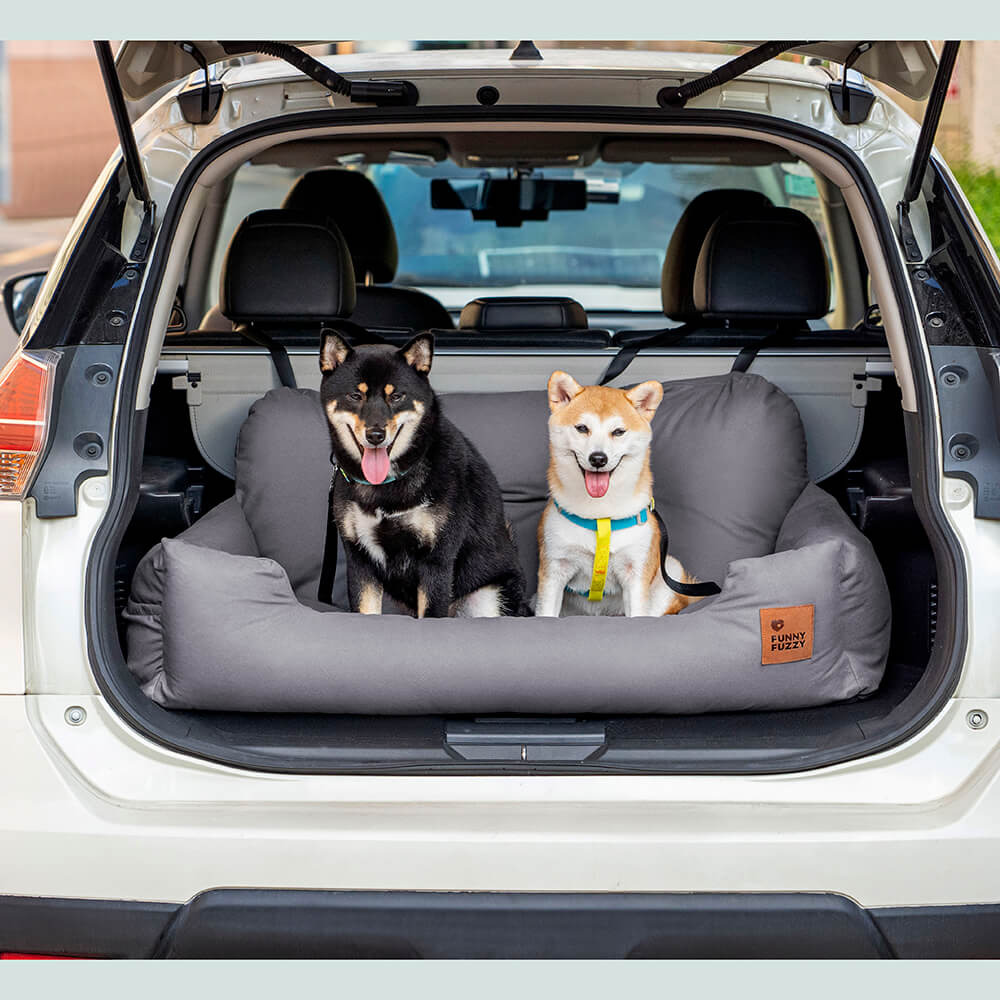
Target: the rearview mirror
pixel 19 296
pixel 509 201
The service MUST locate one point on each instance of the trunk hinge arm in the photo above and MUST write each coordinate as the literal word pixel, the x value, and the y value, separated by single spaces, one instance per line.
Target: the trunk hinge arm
pixel 130 151
pixel 677 97
pixel 922 151
pixel 380 92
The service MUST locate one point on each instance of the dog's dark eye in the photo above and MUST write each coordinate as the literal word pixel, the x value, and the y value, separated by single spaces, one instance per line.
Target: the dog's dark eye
pixel 582 428
pixel 397 397
pixel 618 432
pixel 356 396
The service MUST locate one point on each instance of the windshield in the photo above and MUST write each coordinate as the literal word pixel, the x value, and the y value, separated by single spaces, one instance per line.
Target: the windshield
pixel 608 256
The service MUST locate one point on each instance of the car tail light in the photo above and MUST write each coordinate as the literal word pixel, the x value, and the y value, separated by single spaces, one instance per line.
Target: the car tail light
pixel 8 955
pixel 25 398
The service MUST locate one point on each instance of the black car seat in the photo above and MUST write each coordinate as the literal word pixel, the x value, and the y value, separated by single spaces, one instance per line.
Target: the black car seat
pixel 351 201
pixel 677 276
pixel 287 271
pixel 764 272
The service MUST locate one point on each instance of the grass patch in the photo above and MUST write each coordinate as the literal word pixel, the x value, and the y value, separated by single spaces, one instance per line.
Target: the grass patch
pixel 982 188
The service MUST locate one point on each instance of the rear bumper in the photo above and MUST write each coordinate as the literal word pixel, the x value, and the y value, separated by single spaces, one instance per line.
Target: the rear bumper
pixel 275 923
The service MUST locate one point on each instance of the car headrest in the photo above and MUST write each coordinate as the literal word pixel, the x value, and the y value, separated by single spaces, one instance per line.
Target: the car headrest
pixel 762 265
pixel 523 312
pixel 353 202
pixel 286 267
pixel 677 279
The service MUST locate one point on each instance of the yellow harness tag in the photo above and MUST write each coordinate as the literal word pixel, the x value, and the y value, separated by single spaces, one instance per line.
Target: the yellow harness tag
pixel 601 556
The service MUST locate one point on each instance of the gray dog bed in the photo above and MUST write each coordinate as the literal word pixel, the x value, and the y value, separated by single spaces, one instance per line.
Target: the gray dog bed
pixel 226 615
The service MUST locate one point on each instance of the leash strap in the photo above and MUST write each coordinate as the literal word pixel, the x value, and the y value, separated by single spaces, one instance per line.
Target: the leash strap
pixel 329 570
pixel 602 554
pixel 704 589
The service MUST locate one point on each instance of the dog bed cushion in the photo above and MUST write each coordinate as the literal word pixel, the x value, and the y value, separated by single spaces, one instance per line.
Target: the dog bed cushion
pixel 226 615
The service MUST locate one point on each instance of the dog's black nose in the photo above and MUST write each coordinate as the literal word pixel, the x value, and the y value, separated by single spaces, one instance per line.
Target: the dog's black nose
pixel 375 436
pixel 598 459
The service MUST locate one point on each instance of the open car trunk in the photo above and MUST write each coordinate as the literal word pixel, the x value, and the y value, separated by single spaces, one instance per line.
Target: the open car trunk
pixel 865 455
pixel 873 487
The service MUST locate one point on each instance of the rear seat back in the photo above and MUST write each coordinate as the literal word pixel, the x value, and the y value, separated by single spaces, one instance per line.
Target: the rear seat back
pixel 541 334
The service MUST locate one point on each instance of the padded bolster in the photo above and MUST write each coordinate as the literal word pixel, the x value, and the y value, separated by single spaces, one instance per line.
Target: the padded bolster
pixel 765 265
pixel 286 267
pixel 681 260
pixel 240 641
pixel 353 202
pixel 225 528
pixel 525 312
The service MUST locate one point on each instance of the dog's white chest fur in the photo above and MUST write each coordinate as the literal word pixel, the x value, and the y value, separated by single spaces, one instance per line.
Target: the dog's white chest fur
pixel 363 528
pixel 573 548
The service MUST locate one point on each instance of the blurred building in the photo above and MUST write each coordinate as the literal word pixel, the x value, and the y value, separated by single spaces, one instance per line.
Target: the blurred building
pixel 57 127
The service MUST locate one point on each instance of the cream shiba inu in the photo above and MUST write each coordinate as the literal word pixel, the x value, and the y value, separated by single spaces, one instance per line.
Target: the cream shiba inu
pixel 599 541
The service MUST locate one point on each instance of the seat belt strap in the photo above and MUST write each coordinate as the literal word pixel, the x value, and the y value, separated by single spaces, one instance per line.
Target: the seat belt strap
pixel 627 354
pixel 279 356
pixel 746 357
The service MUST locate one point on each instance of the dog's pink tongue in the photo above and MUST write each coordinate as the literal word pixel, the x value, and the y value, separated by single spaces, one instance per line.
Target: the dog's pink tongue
pixel 596 482
pixel 375 465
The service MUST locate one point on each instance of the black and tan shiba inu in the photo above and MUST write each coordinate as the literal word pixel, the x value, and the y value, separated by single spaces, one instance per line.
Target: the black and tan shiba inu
pixel 602 549
pixel 419 510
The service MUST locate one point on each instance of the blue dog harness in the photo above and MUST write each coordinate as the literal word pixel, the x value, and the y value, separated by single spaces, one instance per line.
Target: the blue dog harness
pixel 590 523
pixel 602 527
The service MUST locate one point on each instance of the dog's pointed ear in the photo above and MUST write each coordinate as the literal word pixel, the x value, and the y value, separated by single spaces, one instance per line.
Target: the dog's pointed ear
pixel 645 398
pixel 419 352
pixel 562 388
pixel 333 352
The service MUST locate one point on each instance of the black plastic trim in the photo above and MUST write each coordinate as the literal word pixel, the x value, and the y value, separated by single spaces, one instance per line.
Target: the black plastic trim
pixel 969 394
pixel 85 928
pixel 291 923
pixel 83 404
pixel 942 672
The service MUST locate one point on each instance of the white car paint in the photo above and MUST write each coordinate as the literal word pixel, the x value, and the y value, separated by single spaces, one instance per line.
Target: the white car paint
pixel 93 809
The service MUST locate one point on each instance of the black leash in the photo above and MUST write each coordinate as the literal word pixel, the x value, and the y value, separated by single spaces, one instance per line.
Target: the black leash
pixel 329 570
pixel 704 589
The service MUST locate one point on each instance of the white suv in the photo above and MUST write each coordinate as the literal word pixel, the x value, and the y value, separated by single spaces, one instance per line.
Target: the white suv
pixel 140 824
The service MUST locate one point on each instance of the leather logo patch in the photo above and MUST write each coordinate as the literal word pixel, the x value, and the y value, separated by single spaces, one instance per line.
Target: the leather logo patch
pixel 786 634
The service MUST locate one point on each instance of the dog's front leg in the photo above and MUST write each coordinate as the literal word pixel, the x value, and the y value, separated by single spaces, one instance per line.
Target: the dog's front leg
pixel 553 575
pixel 363 588
pixel 434 590
pixel 635 595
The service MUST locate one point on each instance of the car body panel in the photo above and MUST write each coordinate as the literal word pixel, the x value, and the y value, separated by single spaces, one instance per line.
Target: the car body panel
pixel 907 66
pixel 886 831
